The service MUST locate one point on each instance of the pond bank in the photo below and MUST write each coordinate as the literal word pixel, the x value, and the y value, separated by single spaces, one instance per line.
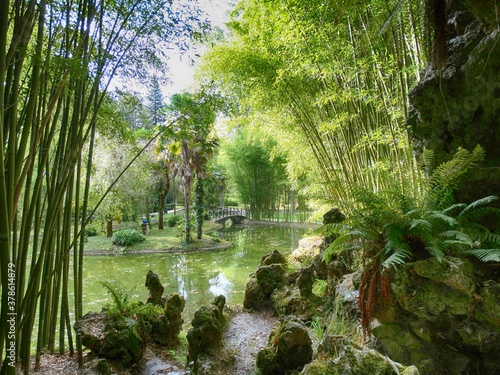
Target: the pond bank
pixel 284 224
pixel 116 252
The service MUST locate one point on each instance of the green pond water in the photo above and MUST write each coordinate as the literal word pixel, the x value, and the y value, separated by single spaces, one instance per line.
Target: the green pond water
pixel 198 276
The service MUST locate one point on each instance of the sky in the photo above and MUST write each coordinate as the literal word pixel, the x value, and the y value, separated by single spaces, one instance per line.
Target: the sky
pixel 181 71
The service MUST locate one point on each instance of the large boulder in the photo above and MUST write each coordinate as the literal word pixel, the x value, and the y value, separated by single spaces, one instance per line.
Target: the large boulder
pixel 269 276
pixel 165 328
pixel 337 355
pixel 290 348
pixel 458 104
pixel 109 338
pixel 155 289
pixel 206 335
pixel 274 257
pixel 441 319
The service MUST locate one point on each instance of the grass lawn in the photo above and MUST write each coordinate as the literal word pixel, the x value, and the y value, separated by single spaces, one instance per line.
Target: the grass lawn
pixel 168 239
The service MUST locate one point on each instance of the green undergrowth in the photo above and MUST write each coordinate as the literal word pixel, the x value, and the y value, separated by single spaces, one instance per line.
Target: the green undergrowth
pixel 157 240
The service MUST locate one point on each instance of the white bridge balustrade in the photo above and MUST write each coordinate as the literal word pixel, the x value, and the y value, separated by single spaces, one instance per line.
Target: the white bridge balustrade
pixel 222 214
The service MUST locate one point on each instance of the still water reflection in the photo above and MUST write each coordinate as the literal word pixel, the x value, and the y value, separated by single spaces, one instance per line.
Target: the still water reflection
pixel 197 276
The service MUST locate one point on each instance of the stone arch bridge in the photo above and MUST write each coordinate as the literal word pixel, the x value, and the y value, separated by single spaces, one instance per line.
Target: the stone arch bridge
pixel 222 214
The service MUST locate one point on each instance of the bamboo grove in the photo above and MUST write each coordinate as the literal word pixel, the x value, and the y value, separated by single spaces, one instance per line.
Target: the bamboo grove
pixel 336 74
pixel 57 59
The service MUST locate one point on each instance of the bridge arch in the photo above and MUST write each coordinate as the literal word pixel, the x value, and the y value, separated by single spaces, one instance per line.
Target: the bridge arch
pixel 223 214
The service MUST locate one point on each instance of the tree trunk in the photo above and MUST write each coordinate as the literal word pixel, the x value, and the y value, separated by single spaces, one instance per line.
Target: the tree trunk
pixel 187 198
pixel 109 228
pixel 221 196
pixel 173 196
pixel 163 195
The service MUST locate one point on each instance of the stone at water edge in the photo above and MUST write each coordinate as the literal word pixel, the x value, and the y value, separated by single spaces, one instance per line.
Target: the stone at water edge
pixel 270 277
pixel 274 257
pixel 155 289
pixel 206 334
pixel 290 348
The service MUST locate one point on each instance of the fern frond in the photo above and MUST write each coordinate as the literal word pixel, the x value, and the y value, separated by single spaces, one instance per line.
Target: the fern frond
pixel 488 237
pixel 453 207
pixel 336 246
pixel 459 236
pixel 478 203
pixel 148 309
pixel 419 222
pixel 486 255
pixel 129 322
pixel 457 247
pixel 445 218
pixel 329 229
pixel 446 177
pixel 117 294
pixel 436 248
pixel 398 257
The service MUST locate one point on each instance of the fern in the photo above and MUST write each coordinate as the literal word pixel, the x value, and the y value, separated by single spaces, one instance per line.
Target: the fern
pixel 476 204
pixel 486 255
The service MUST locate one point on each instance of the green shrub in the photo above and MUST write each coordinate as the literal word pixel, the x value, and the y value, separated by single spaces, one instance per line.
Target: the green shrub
pixel 230 203
pixel 173 221
pixel 127 237
pixel 93 229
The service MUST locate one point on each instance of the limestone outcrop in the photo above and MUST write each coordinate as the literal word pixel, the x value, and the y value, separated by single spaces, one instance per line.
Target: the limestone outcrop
pixel 441 318
pixel 206 335
pixel 289 348
pixel 459 104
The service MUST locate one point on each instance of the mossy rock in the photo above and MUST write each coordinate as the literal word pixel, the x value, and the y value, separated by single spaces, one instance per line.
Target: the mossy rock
pixel 288 301
pixel 253 295
pixel 419 289
pixel 290 347
pixel 337 355
pixel 206 334
pixel 274 257
pixel 124 346
pixel 318 368
pixel 490 305
pixel 270 277
pixel 457 273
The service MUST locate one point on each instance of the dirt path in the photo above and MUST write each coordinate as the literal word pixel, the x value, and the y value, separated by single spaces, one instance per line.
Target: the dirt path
pixel 246 335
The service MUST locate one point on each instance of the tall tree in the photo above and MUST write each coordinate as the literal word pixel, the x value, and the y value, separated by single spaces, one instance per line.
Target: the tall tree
pixel 155 103
pixel 256 176
pixel 188 141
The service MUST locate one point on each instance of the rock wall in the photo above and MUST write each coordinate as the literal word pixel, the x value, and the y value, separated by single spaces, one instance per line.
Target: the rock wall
pixel 441 318
pixel 460 105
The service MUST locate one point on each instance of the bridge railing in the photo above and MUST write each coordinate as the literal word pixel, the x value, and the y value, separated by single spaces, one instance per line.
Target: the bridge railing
pixel 221 212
